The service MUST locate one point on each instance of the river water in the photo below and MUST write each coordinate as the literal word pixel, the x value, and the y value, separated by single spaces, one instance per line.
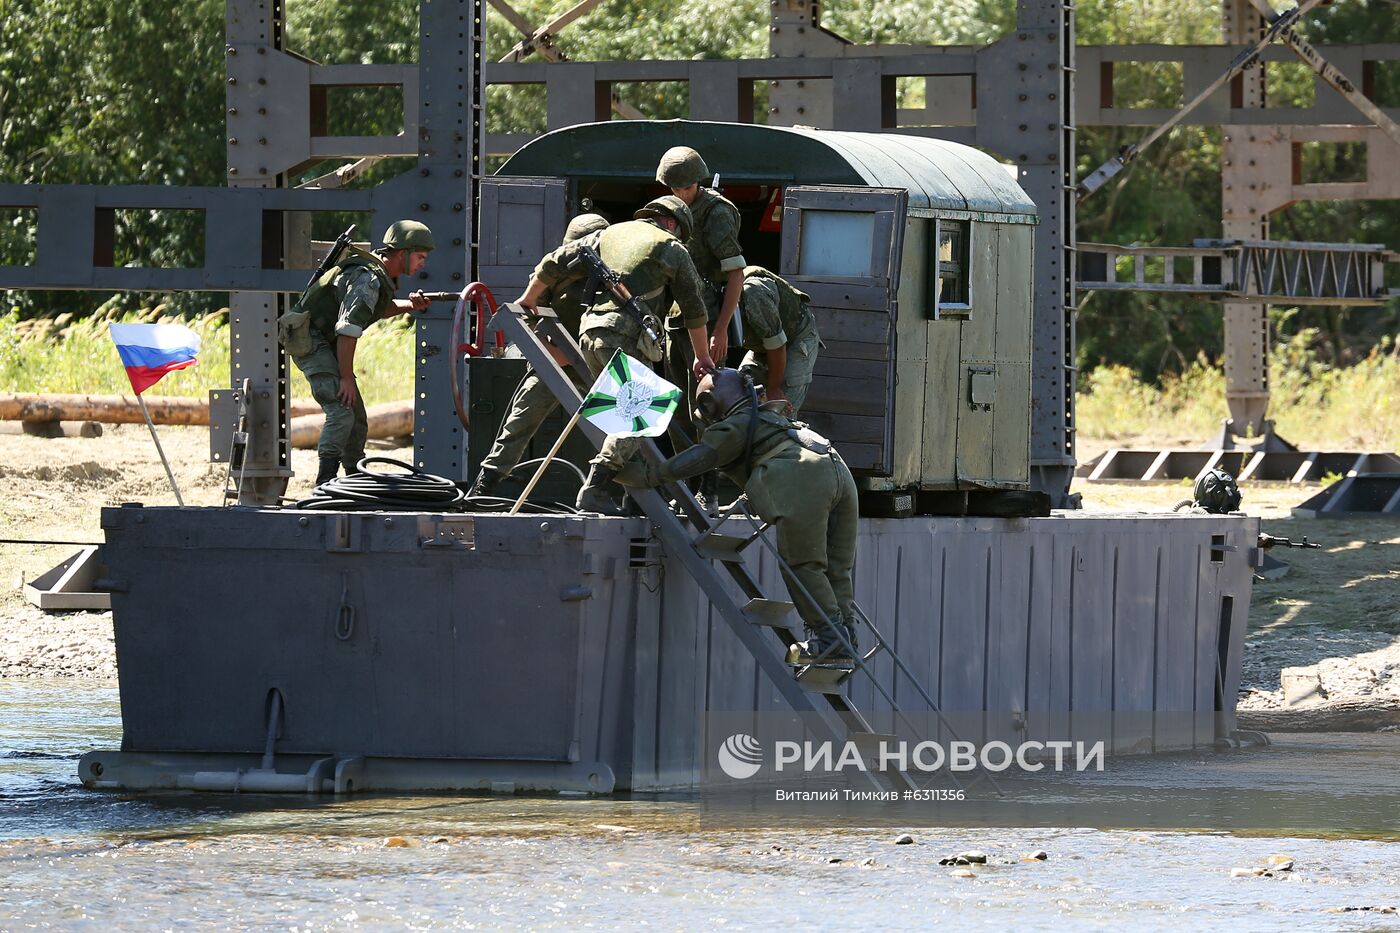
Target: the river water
pixel 77 859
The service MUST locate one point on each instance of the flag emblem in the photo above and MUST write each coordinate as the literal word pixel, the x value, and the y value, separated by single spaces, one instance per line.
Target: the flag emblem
pixel 630 400
pixel 149 351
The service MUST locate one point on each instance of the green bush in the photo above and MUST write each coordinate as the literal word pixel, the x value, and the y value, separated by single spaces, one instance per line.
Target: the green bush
pixel 1312 402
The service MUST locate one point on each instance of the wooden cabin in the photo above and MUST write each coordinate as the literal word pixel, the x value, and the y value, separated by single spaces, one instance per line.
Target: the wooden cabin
pixel 916 253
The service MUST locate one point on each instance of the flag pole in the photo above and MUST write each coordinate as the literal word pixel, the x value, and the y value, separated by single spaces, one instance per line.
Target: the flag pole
pixel 160 450
pixel 534 480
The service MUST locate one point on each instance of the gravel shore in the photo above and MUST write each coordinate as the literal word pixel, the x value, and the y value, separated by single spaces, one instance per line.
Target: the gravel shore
pixel 35 643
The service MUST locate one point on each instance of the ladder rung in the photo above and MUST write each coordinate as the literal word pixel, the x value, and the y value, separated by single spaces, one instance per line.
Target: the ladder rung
pixel 871 740
pixel 868 744
pixel 721 547
pixel 774 612
pixel 824 679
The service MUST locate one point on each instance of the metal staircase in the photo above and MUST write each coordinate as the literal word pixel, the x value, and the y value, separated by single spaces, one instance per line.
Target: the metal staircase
pixel 762 624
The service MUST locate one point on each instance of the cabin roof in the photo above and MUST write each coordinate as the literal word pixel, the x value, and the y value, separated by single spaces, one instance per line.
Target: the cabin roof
pixel 939 175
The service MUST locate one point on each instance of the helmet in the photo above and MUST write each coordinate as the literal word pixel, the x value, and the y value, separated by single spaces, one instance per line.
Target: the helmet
pixel 584 224
pixel 669 206
pixel 1216 492
pixel 681 167
pixel 719 392
pixel 408 234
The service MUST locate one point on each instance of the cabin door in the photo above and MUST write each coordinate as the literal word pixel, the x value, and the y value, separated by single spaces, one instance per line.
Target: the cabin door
pixel 842 246
pixel 521 220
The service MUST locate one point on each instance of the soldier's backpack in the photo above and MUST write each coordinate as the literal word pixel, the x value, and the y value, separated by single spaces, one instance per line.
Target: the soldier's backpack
pixel 294 327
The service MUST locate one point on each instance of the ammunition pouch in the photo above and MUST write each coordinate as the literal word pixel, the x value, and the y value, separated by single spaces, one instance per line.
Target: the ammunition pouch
pixel 294 329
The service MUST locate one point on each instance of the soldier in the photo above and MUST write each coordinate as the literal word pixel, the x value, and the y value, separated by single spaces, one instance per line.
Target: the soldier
pixel 795 480
pixel 533 401
pixel 780 335
pixel 714 246
pixel 656 269
pixel 351 296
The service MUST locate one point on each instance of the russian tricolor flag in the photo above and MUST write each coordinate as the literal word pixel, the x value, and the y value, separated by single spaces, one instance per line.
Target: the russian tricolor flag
pixel 149 351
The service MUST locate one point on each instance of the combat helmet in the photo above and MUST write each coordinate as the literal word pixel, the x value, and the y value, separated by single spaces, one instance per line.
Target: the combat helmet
pixel 1216 492
pixel 719 393
pixel 681 167
pixel 408 234
pixel 584 224
pixel 669 206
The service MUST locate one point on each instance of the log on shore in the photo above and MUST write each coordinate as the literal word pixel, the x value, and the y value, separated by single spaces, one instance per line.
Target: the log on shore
pixel 115 409
pixel 52 428
pixel 392 419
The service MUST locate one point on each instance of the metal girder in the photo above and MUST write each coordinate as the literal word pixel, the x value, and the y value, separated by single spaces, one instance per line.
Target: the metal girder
pixel 542 41
pixel 1327 71
pixel 242 234
pixel 258 236
pixel 1246 58
pixel 1277 271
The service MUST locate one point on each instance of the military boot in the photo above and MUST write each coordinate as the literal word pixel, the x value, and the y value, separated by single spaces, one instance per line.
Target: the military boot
pixel 707 495
pixel 487 482
pixel 848 628
pixel 823 647
pixel 330 466
pixel 595 495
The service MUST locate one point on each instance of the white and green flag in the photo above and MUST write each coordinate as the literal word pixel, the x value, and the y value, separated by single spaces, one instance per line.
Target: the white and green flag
pixel 630 400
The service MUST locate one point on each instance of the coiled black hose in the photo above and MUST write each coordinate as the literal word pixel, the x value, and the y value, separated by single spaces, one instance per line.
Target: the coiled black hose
pixel 366 490
pixel 412 491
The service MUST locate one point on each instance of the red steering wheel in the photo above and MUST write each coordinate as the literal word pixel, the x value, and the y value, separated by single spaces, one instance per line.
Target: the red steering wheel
pixel 477 297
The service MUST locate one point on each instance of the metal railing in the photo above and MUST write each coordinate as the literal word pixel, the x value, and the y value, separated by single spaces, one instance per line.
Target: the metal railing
pixel 1278 271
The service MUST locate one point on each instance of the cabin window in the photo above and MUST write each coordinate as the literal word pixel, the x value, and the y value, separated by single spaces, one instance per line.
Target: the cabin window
pixel 837 243
pixel 950 271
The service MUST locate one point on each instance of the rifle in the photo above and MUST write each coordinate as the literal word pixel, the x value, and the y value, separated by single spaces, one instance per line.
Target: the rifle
pixel 336 249
pixel 294 327
pixel 1268 541
pixel 599 272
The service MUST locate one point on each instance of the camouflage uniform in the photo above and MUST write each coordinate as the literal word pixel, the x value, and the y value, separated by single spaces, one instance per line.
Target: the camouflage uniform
pixel 776 314
pixel 809 497
pixel 714 243
pixel 354 295
pixel 533 401
pixel 714 247
pixel 652 263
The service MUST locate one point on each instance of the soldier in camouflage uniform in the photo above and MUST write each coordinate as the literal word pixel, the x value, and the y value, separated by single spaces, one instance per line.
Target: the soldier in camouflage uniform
pixel 795 480
pixel 656 269
pixel 533 401
pixel 714 246
pixel 780 335
pixel 351 296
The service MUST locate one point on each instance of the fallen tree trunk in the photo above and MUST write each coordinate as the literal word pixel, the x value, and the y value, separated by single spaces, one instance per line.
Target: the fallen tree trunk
pixel 114 409
pixel 52 428
pixel 392 419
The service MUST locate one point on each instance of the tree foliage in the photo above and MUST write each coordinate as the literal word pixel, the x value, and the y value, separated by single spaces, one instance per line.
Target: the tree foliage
pixel 94 93
pixel 132 93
